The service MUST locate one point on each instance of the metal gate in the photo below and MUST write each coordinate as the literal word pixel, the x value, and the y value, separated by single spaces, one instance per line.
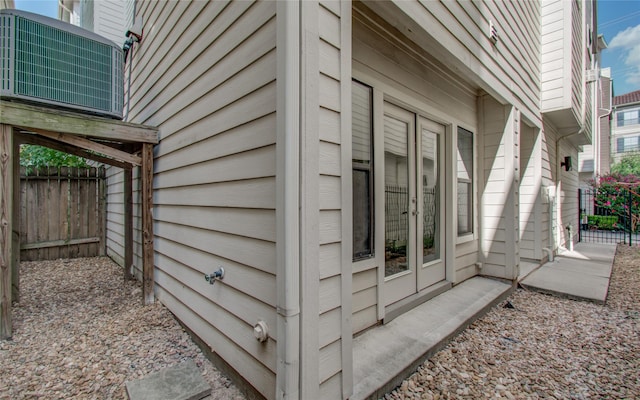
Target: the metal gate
pixel 609 217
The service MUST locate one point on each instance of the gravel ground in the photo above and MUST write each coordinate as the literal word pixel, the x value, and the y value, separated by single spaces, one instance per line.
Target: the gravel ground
pixel 80 332
pixel 545 347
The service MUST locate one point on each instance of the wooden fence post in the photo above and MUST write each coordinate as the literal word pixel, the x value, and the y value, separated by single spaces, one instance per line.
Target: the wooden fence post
pixel 6 228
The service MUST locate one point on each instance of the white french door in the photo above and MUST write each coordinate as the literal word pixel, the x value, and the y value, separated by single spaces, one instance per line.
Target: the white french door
pixel 413 203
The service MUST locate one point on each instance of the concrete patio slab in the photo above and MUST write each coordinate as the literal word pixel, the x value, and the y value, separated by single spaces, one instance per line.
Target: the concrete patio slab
pixel 417 334
pixel 527 267
pixel 596 268
pixel 180 382
pixel 596 252
pixel 581 274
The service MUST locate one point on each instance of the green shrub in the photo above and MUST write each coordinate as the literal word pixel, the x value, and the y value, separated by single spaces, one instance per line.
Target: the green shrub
pixel 604 222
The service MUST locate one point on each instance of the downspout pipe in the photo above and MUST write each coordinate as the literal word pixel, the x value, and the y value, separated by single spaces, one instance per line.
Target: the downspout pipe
pixel 288 104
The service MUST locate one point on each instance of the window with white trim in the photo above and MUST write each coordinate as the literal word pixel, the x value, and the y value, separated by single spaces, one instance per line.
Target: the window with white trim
pixel 628 117
pixel 362 170
pixel 465 182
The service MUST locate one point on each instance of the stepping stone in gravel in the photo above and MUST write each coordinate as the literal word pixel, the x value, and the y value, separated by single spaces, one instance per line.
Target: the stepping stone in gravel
pixel 180 382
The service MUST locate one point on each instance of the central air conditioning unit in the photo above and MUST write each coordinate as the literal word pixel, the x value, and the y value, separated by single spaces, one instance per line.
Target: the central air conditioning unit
pixel 50 62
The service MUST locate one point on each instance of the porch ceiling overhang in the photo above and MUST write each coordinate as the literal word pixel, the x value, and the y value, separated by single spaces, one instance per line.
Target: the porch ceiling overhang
pixel 568 124
pixel 392 14
pixel 461 62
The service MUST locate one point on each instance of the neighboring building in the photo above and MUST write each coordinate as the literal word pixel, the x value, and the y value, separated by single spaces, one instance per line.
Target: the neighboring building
pixel 344 162
pixel 625 125
pixel 108 18
pixel 594 159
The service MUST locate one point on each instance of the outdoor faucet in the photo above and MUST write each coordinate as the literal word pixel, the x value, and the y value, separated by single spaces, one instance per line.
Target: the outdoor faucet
pixel 211 278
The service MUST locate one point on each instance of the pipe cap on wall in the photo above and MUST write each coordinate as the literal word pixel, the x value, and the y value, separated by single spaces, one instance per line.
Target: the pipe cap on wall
pixel 261 331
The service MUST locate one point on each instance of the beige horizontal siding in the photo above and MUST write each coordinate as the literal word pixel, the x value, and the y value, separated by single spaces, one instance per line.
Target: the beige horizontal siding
pixel 205 76
pixel 512 58
pixel 458 31
pixel 530 198
pixel 109 21
pixel 493 193
pixel 330 91
pixel 553 56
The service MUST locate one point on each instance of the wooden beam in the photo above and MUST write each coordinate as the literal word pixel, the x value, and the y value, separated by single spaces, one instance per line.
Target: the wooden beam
pixel 92 146
pixel 36 117
pixel 128 223
pixel 6 229
pixel 147 222
pixel 26 138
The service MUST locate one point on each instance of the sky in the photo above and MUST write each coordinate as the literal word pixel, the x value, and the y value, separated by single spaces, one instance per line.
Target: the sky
pixel 44 7
pixel 618 20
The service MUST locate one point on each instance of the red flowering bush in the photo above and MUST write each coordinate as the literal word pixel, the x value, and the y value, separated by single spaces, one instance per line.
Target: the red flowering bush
pixel 616 193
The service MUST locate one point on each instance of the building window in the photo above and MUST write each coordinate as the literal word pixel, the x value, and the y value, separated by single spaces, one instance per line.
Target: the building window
pixel 362 170
pixel 628 144
pixel 465 182
pixel 626 118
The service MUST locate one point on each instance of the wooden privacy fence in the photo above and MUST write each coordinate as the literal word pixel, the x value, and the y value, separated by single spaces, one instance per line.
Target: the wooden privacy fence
pixel 62 213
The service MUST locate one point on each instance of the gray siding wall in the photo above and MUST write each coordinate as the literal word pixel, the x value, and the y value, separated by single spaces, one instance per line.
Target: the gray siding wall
pixel 550 181
pixel 328 150
pixel 577 56
pixel 205 76
pixel 115 219
pixel 568 197
pixel 457 33
pixel 111 19
pixel 334 142
pixel 530 192
pixel 499 201
pixel 563 57
pixel 554 43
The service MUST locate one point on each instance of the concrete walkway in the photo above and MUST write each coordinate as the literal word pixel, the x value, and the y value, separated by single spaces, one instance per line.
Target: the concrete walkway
pixel 384 356
pixel 581 274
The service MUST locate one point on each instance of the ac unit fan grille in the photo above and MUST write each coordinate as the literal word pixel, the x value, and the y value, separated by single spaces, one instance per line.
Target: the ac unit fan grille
pixel 59 66
pixel 5 57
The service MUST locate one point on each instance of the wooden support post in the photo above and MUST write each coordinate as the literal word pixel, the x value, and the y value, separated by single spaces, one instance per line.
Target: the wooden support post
pixel 147 222
pixel 6 228
pixel 15 265
pixel 128 223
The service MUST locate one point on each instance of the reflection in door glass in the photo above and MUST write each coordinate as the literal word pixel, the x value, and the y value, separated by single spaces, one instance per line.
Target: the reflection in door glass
pixel 396 179
pixel 430 195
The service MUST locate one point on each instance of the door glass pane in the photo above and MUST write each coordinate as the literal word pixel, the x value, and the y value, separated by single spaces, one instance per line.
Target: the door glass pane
pixel 396 180
pixel 430 197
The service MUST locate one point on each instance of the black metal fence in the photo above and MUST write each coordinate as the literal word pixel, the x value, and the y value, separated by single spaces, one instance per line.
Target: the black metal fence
pixel 609 217
pixel 396 213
